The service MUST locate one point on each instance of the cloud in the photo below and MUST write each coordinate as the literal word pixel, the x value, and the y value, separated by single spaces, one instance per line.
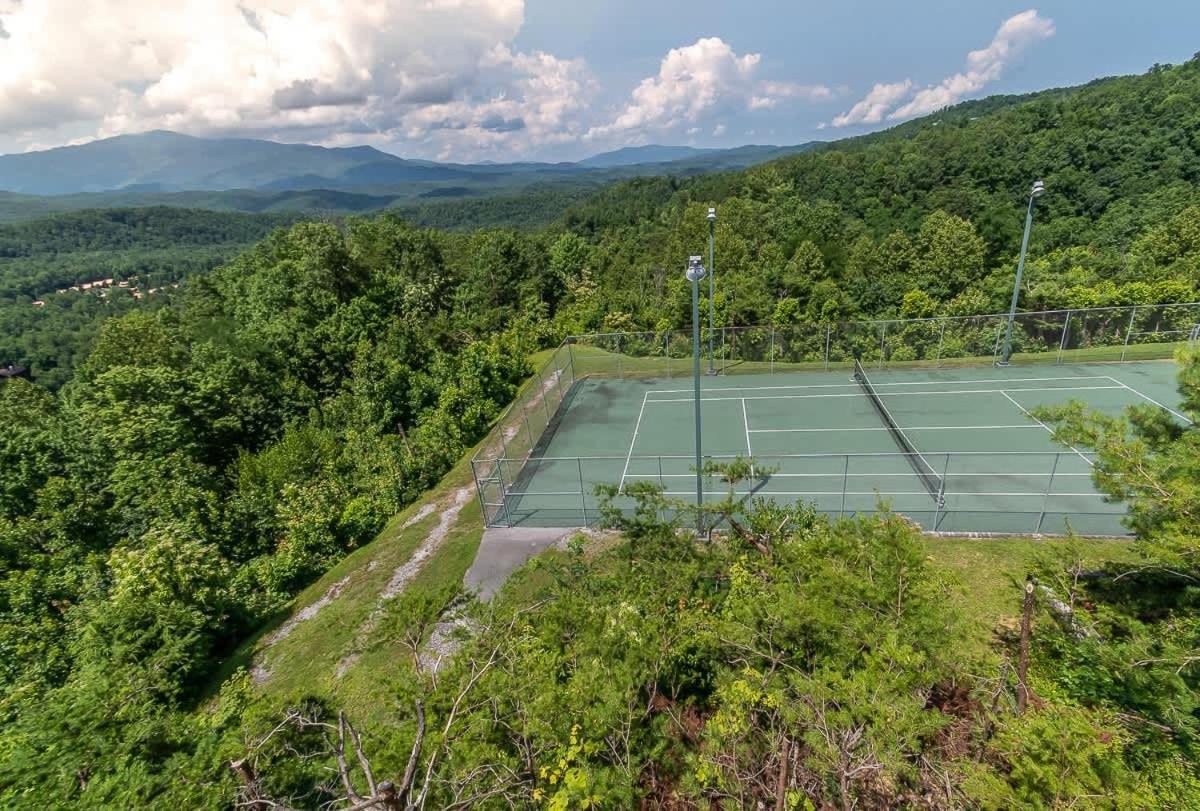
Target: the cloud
pixel 983 67
pixel 875 104
pixel 699 80
pixel 312 69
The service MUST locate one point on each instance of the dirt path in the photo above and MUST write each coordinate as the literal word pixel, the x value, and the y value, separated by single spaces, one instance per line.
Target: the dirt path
pixel 404 574
pixel 260 672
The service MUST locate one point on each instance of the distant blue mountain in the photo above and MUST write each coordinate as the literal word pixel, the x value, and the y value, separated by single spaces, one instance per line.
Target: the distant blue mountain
pixel 161 162
pixel 633 155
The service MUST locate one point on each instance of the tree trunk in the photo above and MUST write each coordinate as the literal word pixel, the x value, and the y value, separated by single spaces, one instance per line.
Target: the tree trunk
pixel 1023 648
pixel 781 783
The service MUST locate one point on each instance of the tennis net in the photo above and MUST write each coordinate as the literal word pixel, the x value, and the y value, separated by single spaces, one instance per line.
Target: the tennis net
pixel 920 465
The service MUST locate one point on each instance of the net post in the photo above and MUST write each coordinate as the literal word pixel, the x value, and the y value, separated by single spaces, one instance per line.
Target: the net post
pixel 937 363
pixel 845 483
pixel 582 491
pixel 828 339
pixel 1128 332
pixel 1046 494
pixel 661 486
pixel 940 506
pixel 1062 343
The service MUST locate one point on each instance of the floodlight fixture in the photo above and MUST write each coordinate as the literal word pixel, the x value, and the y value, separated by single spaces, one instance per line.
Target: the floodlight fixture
pixel 1039 188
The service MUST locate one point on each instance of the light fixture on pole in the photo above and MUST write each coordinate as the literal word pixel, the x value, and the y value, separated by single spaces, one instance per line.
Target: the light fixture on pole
pixel 1038 189
pixel 712 276
pixel 695 273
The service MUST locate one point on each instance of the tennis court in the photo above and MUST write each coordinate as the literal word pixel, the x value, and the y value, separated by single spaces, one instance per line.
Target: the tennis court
pixel 957 450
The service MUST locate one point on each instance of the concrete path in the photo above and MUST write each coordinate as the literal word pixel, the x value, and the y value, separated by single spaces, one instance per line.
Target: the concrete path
pixel 503 550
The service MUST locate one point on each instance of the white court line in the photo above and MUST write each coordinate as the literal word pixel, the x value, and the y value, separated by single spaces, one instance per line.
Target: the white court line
pixel 633 441
pixel 881 394
pixel 885 428
pixel 1047 427
pixel 1152 400
pixel 839 475
pixel 881 385
pixel 924 493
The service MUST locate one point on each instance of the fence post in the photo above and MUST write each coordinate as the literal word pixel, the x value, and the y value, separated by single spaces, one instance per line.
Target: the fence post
pixel 1046 495
pixel 1128 332
pixel 479 492
pixel 582 491
pixel 667 351
pixel 528 429
pixel 828 337
pixel 845 483
pixel 571 357
pixel 724 349
pixel 543 392
pixel 772 349
pixel 882 341
pixel 937 363
pixel 503 492
pixel 1062 344
pixel 620 366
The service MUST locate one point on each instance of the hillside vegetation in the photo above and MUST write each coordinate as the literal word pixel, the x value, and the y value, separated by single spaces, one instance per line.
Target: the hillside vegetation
pixel 233 539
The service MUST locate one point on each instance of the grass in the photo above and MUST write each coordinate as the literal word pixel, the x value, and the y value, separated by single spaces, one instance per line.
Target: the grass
pixel 991 572
pixel 388 656
pixel 591 360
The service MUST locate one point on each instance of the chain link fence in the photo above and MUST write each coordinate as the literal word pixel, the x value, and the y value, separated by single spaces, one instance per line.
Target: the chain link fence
pixel 515 449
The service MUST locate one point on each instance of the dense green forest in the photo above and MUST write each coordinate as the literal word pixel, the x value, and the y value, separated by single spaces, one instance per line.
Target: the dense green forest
pixel 188 464
pixel 148 248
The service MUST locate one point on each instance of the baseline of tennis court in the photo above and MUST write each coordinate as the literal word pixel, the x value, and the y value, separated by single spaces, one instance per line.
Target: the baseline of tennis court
pixel 963 452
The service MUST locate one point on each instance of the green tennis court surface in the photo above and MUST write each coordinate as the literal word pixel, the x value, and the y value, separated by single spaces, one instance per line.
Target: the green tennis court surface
pixel 982 463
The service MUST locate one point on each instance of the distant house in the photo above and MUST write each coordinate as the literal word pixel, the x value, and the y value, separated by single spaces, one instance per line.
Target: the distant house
pixel 39 303
pixel 13 371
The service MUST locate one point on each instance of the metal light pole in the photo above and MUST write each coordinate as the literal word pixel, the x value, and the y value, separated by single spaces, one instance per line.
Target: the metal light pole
pixel 712 275
pixel 1037 191
pixel 695 272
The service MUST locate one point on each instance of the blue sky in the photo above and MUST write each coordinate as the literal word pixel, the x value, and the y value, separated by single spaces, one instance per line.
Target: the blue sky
pixel 545 79
pixel 854 44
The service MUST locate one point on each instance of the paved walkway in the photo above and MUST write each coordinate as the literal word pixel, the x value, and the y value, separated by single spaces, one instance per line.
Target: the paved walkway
pixel 503 550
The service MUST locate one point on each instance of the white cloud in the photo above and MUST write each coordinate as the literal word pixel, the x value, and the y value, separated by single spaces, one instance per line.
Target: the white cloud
pixel 700 80
pixel 875 104
pixel 983 67
pixel 355 70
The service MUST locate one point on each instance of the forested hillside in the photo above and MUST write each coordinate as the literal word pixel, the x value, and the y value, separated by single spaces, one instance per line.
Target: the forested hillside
pixel 211 453
pixel 932 208
pixel 146 249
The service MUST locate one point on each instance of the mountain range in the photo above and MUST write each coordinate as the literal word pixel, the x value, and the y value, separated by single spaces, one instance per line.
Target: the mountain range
pixel 166 162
